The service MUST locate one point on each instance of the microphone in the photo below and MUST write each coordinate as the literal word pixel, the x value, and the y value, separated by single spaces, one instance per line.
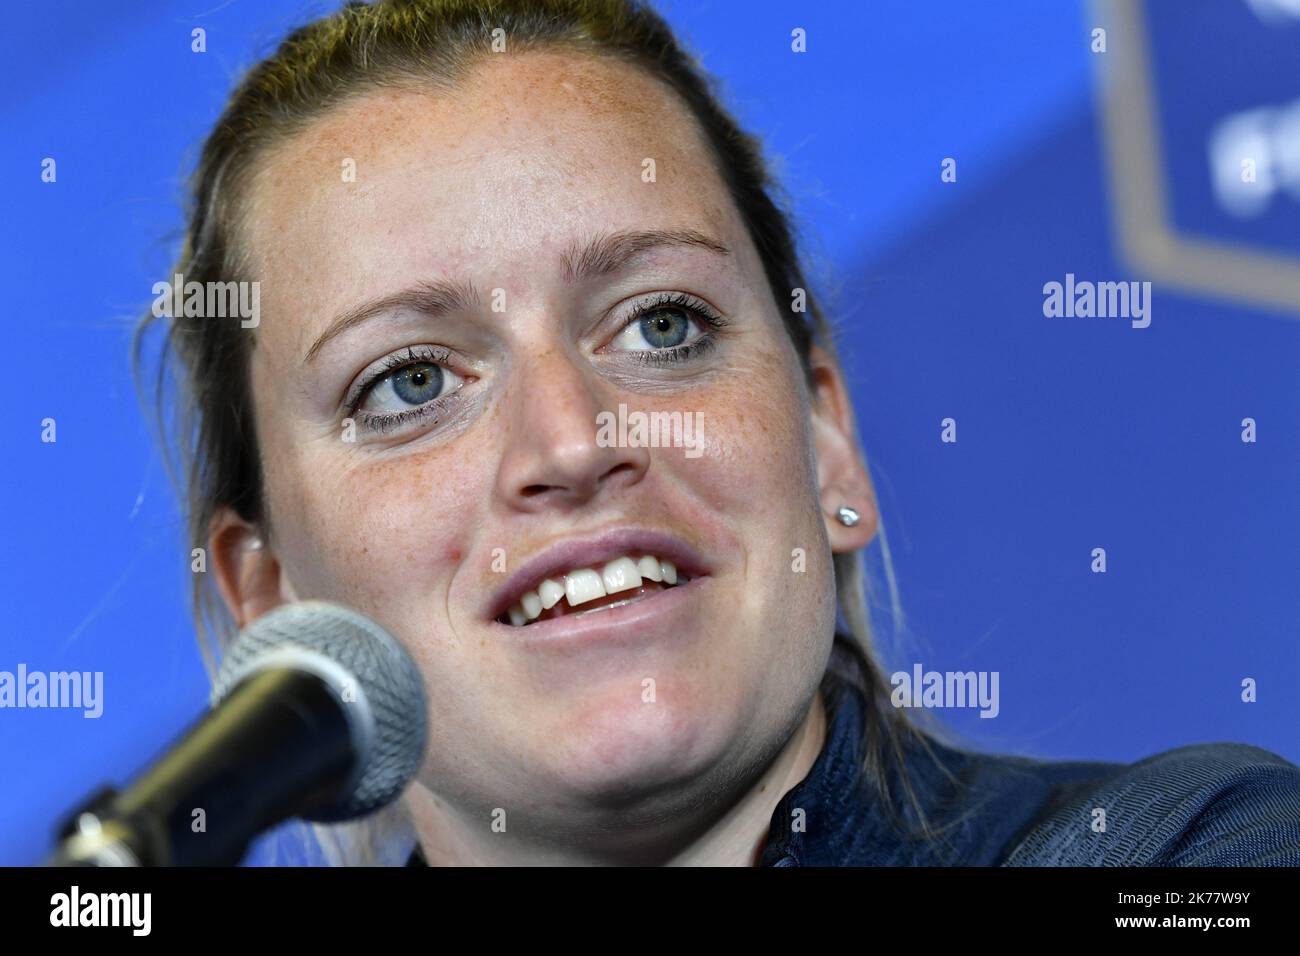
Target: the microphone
pixel 317 712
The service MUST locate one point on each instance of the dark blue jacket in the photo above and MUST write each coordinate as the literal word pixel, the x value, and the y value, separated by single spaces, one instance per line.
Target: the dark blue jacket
pixel 1220 804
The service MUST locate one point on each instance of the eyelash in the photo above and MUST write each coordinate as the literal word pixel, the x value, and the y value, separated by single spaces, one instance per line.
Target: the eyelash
pixel 414 355
pixel 432 355
pixel 678 353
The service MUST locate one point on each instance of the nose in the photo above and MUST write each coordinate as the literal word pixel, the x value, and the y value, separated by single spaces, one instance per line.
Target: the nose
pixel 552 457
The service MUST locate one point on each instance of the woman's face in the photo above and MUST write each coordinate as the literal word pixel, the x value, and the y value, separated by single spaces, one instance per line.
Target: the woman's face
pixel 441 335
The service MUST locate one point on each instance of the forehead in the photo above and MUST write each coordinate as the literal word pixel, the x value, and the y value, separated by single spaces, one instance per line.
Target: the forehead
pixel 491 181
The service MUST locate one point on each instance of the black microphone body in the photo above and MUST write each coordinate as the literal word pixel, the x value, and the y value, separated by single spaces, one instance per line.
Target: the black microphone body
pixel 317 712
pixel 279 745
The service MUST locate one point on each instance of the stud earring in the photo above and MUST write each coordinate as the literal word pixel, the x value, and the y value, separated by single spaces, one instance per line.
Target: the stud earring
pixel 848 516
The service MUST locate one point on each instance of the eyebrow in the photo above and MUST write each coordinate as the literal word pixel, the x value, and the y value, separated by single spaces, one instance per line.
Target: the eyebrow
pixel 602 255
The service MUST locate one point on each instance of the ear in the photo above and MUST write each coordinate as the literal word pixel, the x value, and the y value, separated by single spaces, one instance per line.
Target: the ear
pixel 248 572
pixel 842 476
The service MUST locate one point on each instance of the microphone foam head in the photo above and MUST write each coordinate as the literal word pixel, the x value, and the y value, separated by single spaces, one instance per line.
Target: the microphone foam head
pixel 377 683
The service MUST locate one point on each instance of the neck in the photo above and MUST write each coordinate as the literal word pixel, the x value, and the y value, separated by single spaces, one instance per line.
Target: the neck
pixel 735 837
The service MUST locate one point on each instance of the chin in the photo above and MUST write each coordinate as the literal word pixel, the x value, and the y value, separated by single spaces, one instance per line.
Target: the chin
pixel 613 746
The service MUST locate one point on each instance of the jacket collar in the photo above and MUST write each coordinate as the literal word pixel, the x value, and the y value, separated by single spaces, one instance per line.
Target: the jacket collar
pixel 813 823
pixel 843 820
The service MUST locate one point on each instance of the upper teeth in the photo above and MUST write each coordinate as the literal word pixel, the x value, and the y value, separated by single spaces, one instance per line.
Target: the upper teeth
pixel 587 584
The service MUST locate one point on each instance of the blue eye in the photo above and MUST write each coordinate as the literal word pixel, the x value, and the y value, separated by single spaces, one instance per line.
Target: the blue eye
pixel 417 384
pixel 665 324
pixel 664 328
pixel 408 382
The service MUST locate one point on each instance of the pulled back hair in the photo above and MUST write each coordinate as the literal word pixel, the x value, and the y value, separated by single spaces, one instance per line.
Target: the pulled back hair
pixel 431 45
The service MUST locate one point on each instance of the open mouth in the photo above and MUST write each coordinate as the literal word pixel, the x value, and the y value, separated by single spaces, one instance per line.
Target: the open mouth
pixel 622 580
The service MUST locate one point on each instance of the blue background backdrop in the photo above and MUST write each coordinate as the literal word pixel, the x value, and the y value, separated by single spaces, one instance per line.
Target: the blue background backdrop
pixel 1073 433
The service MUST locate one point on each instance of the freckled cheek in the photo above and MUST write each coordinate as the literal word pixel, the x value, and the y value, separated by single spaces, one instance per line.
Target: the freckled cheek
pixel 380 534
pixel 755 447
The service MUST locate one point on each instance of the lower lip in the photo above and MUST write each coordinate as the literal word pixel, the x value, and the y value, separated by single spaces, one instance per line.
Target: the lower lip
pixel 662 614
